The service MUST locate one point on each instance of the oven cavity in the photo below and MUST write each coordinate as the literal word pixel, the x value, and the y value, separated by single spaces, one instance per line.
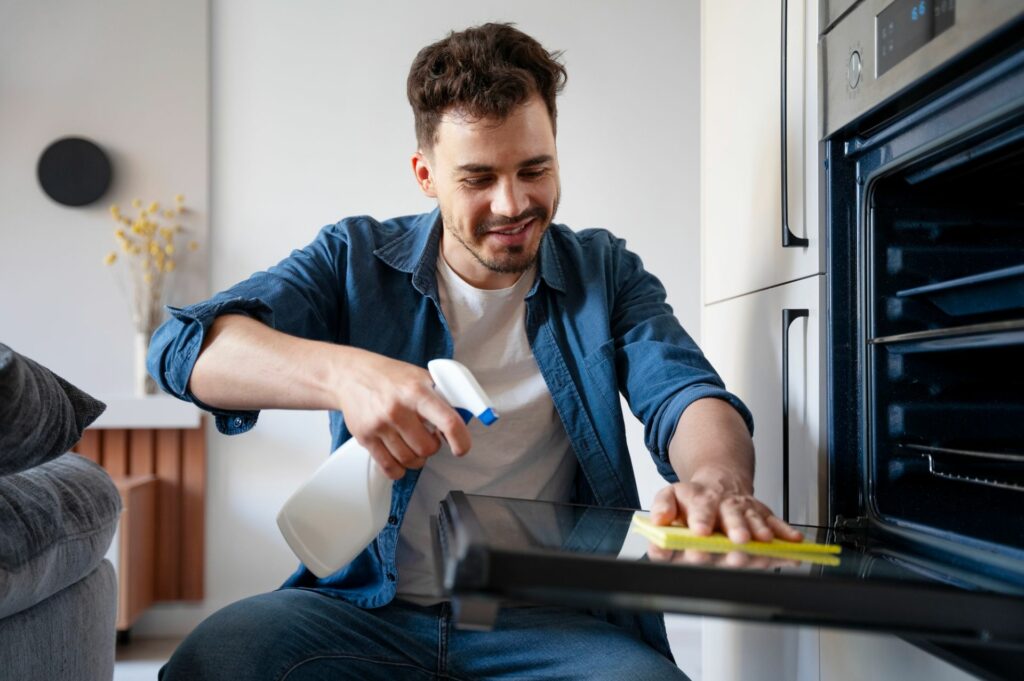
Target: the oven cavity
pixel 945 342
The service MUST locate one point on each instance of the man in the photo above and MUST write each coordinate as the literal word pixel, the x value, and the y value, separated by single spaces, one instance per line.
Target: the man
pixel 553 323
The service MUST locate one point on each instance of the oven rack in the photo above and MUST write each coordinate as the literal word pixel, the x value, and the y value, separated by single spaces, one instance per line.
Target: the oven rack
pixel 991 334
pixel 993 291
pixel 991 469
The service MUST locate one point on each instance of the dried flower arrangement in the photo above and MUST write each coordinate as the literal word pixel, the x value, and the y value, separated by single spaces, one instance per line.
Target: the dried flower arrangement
pixel 148 248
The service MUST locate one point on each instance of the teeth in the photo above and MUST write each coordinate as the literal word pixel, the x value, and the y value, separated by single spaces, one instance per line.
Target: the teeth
pixel 514 231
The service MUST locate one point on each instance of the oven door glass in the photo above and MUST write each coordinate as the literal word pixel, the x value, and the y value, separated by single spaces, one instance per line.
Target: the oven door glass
pixel 499 550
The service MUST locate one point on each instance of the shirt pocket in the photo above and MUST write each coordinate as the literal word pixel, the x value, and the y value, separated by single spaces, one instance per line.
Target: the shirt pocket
pixel 600 368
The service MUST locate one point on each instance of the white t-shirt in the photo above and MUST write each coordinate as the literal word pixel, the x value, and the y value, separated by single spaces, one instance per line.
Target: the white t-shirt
pixel 526 454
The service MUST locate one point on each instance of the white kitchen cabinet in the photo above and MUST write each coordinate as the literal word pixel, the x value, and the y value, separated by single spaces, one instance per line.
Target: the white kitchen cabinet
pixel 732 651
pixel 742 338
pixel 741 145
pixel 846 656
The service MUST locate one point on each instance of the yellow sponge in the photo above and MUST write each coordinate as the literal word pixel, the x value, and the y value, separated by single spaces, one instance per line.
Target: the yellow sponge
pixel 678 537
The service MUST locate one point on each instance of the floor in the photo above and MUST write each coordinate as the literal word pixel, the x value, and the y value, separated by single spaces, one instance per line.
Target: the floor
pixel 141 659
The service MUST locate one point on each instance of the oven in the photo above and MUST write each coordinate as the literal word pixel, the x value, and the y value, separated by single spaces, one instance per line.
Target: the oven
pixel 922 117
pixel 922 200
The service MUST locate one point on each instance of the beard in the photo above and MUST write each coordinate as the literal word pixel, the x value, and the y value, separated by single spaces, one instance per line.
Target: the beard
pixel 511 259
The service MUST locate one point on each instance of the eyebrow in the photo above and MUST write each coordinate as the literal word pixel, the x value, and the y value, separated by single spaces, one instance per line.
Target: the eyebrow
pixel 482 168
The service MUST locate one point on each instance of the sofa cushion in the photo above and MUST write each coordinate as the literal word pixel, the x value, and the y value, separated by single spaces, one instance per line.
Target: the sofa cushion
pixel 41 415
pixel 56 523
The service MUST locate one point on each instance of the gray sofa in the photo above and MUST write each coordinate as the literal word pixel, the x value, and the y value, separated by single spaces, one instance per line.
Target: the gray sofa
pixel 58 513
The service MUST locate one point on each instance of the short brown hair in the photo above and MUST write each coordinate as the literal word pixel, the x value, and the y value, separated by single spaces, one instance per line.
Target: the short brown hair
pixel 485 72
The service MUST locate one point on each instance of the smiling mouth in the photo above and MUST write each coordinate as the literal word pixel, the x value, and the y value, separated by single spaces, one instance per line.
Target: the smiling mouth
pixel 512 231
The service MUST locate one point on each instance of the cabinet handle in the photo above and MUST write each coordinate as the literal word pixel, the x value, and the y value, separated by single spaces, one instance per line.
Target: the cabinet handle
pixel 789 240
pixel 788 317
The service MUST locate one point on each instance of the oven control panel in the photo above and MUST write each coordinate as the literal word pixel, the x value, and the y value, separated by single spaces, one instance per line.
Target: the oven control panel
pixel 880 47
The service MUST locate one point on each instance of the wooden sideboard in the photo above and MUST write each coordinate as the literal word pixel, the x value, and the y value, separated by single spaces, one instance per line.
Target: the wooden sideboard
pixel 161 475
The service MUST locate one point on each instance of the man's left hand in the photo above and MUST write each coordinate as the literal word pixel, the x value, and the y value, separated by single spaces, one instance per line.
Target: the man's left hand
pixel 707 506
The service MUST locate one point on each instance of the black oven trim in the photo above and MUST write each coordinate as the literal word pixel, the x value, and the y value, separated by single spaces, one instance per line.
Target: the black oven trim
pixel 863 162
pixel 893 139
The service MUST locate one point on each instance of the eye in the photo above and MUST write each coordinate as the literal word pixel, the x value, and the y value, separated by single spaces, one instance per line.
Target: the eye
pixel 533 173
pixel 477 181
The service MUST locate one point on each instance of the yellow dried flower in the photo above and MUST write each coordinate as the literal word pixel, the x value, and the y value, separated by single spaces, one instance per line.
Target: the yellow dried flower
pixel 179 198
pixel 153 207
pixel 115 211
pixel 119 233
pixel 169 249
pixel 169 266
pixel 169 213
pixel 136 203
pixel 148 277
pixel 110 259
pixel 193 245
pixel 154 248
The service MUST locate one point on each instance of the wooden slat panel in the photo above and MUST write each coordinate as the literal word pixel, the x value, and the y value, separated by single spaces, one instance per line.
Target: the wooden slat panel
pixel 89 445
pixel 114 452
pixel 168 520
pixel 140 451
pixel 137 550
pixel 193 519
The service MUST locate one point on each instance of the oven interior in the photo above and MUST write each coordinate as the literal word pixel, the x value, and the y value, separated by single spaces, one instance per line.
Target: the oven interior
pixel 944 344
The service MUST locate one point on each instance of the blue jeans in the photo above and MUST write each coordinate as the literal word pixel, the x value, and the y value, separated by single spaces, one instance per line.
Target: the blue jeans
pixel 301 635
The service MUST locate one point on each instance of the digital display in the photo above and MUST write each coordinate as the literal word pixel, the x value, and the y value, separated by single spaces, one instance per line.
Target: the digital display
pixel 906 25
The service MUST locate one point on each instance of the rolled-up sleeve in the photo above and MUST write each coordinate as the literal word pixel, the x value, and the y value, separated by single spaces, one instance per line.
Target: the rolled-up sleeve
pixel 300 296
pixel 661 370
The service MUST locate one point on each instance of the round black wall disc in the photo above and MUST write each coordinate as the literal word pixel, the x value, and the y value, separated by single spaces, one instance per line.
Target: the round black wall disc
pixel 74 171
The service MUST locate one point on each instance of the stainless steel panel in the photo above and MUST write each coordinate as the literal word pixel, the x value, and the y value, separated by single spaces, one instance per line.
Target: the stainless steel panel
pixel 829 11
pixel 845 98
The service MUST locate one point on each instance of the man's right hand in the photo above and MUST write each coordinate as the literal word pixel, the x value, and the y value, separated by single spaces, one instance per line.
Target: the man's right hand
pixel 386 403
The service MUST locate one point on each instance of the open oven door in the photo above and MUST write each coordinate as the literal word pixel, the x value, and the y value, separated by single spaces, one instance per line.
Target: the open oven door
pixel 494 550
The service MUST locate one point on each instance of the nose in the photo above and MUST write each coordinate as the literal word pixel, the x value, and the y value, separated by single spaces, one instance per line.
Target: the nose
pixel 509 199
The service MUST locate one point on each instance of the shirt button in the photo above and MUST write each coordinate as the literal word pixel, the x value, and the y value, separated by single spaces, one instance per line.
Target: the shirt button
pixel 392 520
pixel 391 577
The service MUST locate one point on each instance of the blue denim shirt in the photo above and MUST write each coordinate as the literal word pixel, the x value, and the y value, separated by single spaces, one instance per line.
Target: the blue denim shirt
pixel 597 322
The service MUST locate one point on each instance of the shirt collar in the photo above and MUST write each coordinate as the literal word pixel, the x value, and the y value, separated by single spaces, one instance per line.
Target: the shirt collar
pixel 415 251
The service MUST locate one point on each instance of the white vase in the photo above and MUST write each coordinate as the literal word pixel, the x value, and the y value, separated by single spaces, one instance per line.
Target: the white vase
pixel 144 384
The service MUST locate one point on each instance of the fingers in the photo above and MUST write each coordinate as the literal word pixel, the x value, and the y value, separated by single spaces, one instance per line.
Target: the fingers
pixel 664 508
pixel 382 456
pixel 741 517
pixel 447 421
pixel 733 518
pixel 784 530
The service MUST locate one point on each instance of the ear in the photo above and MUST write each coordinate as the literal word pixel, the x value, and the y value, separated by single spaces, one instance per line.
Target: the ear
pixel 424 175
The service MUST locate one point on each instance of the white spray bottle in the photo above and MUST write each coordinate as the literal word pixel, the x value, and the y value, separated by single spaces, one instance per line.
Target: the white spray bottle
pixel 342 508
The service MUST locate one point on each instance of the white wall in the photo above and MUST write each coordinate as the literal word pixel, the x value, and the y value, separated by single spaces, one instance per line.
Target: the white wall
pixel 133 76
pixel 309 123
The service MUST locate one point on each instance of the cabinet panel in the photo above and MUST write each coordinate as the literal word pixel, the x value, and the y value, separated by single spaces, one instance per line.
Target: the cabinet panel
pixel 742 338
pixel 741 145
pixel 849 656
pixel 735 651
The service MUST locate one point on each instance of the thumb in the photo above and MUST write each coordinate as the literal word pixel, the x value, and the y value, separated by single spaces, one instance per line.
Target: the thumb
pixel 663 509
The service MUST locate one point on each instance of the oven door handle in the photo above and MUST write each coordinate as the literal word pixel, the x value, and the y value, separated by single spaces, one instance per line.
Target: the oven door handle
pixel 788 317
pixel 789 240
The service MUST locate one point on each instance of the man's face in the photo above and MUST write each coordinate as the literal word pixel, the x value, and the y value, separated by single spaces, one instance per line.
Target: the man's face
pixel 496 182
